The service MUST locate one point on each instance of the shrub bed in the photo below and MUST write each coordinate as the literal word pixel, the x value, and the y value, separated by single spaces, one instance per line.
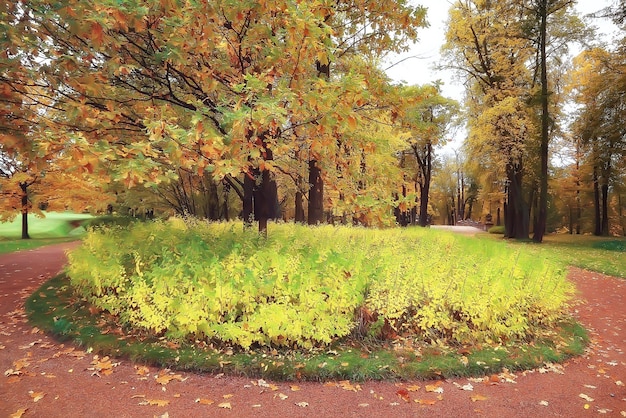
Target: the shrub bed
pixel 306 287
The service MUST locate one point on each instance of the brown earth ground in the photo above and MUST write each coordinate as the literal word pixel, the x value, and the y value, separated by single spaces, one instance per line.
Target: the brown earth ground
pixel 40 377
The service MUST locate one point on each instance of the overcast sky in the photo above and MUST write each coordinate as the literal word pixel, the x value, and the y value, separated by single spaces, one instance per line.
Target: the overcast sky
pixel 417 65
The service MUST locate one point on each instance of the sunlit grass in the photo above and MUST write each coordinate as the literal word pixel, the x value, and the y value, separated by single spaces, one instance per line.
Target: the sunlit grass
pixel 53 225
pixel 9 246
pixel 605 255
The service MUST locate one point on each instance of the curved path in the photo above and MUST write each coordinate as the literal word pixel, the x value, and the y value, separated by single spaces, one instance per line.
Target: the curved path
pixel 40 377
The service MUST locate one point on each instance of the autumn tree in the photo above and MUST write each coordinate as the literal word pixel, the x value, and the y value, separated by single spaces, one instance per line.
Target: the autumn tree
pixel 485 42
pixel 599 85
pixel 510 53
pixel 222 89
pixel 427 123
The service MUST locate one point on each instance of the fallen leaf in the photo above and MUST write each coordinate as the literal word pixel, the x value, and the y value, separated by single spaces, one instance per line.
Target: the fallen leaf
pixel 230 395
pixel 436 388
pixel 302 404
pixel 477 397
pixel 404 395
pixel 225 405
pixel 346 385
pixel 164 378
pixel 619 383
pixel 586 397
pixel 413 388
pixel 604 411
pixel 364 405
pixel 142 370
pixel 36 396
pixel 294 388
pixel 544 403
pixel 155 402
pixel 467 386
pixel 203 401
pixel 426 401
pixel 282 396
pixel 19 413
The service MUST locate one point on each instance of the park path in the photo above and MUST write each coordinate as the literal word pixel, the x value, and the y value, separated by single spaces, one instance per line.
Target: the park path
pixel 40 377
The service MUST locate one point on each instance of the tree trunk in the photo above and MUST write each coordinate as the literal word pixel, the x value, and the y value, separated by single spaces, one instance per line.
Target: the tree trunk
pixel 249 184
pixel 542 217
pixel 24 187
pixel 316 194
pixel 604 190
pixel 299 217
pixel 516 217
pixel 266 204
pixel 426 167
pixel 596 203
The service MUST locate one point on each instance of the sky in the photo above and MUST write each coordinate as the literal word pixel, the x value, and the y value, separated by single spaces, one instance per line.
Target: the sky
pixel 416 66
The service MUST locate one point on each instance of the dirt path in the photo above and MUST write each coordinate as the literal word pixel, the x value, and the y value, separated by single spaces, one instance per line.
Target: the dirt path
pixel 41 378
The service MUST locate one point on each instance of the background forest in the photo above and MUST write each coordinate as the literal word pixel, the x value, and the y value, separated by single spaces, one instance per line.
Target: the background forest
pixel 281 110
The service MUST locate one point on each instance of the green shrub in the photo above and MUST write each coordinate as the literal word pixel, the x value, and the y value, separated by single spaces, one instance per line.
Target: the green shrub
pixel 306 286
pixel 497 230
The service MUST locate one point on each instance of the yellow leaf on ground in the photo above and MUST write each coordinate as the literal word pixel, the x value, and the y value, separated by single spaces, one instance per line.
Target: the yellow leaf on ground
pixel 436 388
pixel 19 413
pixel 142 370
pixel 477 397
pixel 294 388
pixel 36 396
pixel 155 402
pixel 225 405
pixel 164 379
pixel 230 395
pixel 413 388
pixel 426 401
pixel 202 401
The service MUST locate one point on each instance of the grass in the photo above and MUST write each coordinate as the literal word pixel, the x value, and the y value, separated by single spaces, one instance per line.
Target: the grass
pixel 9 246
pixel 55 308
pixel 606 255
pixel 53 225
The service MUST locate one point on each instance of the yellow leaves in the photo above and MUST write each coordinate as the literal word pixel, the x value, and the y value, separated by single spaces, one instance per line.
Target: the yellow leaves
pixel 345 385
pixel 102 367
pixel 203 401
pixel 478 397
pixel 19 413
pixel 142 370
pixel 225 405
pixel 166 377
pixel 36 396
pixel 435 387
pixel 155 402
pixel 427 402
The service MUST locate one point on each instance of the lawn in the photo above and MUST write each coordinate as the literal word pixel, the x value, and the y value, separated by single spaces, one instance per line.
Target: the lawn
pixel 53 228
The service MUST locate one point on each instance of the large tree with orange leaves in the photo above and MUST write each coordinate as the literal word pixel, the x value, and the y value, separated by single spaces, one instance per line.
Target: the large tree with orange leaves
pixel 225 88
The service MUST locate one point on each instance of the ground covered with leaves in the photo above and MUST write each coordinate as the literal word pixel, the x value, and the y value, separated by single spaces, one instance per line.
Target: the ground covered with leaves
pixel 45 377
